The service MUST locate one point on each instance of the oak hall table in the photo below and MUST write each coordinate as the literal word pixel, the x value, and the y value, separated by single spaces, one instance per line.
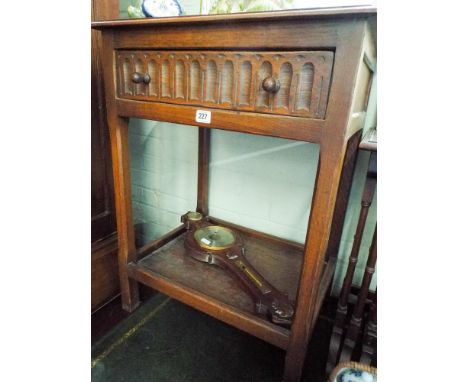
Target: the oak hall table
pixel 303 75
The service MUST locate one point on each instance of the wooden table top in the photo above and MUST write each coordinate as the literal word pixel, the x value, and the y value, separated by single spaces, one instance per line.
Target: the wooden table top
pixel 244 16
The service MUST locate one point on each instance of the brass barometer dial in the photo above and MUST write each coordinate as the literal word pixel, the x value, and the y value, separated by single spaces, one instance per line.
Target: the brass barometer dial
pixel 214 237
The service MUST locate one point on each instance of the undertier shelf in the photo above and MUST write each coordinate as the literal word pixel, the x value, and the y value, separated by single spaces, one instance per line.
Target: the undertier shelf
pixel 214 291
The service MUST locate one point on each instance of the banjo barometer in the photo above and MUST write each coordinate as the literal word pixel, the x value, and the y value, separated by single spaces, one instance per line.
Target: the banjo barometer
pixel 223 246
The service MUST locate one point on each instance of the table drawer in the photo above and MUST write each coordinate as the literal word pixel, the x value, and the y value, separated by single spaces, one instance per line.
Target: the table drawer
pixel 286 83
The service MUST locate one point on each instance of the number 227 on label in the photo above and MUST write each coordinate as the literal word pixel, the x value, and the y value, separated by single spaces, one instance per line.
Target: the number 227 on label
pixel 203 116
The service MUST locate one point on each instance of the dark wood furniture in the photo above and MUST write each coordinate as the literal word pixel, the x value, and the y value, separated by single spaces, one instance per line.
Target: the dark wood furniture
pixel 302 75
pixel 369 341
pixel 104 266
pixel 344 336
pixel 355 324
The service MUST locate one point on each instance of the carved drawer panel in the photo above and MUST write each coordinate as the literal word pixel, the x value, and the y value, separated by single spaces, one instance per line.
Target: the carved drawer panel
pixel 287 83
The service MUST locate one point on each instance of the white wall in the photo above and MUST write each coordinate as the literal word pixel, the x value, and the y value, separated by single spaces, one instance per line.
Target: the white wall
pixel 260 182
pixel 263 183
pixel 164 174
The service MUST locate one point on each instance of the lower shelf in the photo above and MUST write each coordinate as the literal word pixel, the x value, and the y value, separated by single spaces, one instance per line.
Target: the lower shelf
pixel 213 291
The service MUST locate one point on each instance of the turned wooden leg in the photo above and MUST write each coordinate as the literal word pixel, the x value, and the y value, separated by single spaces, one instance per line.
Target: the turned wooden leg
pixel 369 342
pixel 118 128
pixel 342 308
pixel 354 328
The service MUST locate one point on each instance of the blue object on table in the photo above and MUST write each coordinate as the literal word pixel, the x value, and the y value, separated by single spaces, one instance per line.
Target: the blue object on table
pixel 161 8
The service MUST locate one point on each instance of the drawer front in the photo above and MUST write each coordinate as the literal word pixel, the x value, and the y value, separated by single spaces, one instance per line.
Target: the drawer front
pixel 285 83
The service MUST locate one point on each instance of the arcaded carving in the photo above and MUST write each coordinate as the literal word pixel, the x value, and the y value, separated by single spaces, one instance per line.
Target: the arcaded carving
pixel 231 80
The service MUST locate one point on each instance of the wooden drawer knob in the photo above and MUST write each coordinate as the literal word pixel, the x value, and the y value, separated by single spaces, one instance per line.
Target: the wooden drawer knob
pixel 139 78
pixel 271 85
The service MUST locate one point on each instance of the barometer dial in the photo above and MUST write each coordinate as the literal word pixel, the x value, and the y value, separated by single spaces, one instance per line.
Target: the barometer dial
pixel 214 237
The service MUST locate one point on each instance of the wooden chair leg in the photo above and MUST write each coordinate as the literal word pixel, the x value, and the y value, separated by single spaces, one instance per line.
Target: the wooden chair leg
pixel 342 308
pixel 354 328
pixel 369 342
